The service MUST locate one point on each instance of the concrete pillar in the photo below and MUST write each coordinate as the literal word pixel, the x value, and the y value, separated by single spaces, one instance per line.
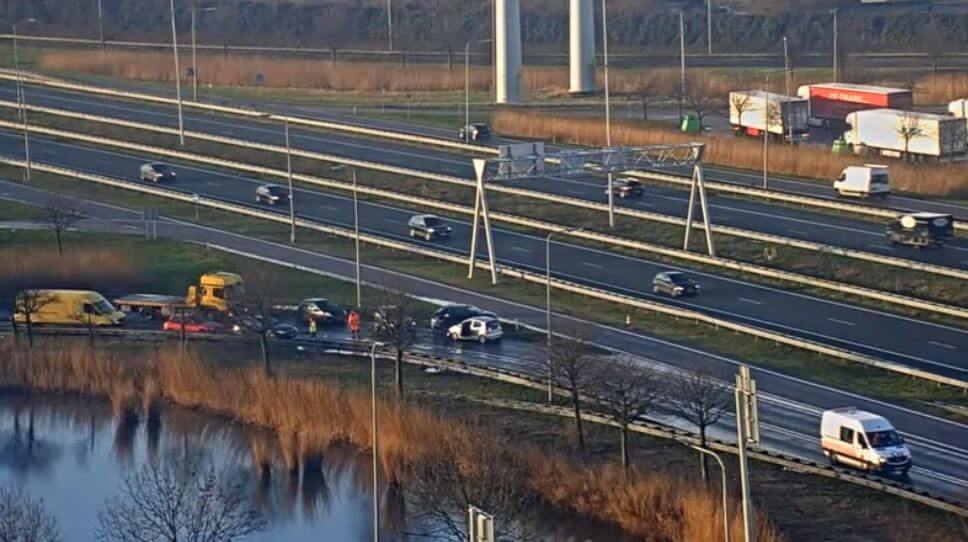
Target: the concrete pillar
pixel 582 48
pixel 507 51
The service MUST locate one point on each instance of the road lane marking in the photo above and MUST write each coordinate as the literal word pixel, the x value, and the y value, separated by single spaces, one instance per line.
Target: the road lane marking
pixel 751 301
pixel 799 232
pixel 519 249
pixel 844 322
pixel 595 265
pixel 393 221
pixel 943 345
pixel 880 247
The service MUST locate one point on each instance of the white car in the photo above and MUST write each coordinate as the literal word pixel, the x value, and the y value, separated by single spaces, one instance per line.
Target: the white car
pixel 480 328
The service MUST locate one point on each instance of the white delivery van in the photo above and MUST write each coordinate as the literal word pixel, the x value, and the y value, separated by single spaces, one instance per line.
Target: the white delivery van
pixel 863 440
pixel 864 181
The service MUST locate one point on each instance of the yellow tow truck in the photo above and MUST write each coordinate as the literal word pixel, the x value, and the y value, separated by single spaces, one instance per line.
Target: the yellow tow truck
pixel 214 294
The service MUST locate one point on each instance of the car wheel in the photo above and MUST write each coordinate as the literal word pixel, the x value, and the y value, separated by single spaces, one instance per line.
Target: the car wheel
pixel 453 337
pixel 482 339
pixel 833 459
pixel 428 236
pixel 655 289
pixel 675 294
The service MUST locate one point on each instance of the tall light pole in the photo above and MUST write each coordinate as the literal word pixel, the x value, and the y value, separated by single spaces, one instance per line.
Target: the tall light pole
pixel 722 469
pixel 467 86
pixel 766 127
pixel 682 61
pixel 292 193
pixel 174 48
pixel 356 236
pixel 195 50
pixel 21 97
pixel 836 53
pixel 786 64
pixel 100 23
pixel 389 26
pixel 608 119
pixel 551 366
pixel 376 442
pixel 709 27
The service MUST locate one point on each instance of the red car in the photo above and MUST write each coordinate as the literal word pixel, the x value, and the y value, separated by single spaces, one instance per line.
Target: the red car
pixel 191 325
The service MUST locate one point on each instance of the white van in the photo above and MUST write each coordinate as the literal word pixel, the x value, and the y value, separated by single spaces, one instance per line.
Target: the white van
pixel 863 440
pixel 864 181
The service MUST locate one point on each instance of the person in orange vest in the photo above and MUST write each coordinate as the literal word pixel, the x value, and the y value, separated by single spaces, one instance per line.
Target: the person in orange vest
pixel 353 322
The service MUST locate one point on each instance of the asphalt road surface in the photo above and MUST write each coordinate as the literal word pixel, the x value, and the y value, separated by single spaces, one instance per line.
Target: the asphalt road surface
pixel 789 407
pixel 751 215
pixel 932 347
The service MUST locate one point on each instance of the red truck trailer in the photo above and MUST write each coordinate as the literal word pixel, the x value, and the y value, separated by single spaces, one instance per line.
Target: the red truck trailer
pixel 830 103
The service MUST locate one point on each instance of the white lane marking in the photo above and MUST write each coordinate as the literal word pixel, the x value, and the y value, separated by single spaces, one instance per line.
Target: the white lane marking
pixel 880 247
pixel 750 301
pixel 329 207
pixel 844 322
pixel 393 221
pixel 521 249
pixel 575 192
pixel 943 345
pixel 799 232
pixel 595 265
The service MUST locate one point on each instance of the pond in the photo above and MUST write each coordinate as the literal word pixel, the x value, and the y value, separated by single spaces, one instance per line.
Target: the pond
pixel 74 454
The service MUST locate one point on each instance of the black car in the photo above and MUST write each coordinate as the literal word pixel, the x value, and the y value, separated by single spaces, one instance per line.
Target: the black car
pixel 628 188
pixel 271 194
pixel 157 173
pixel 675 284
pixel 286 332
pixel 429 227
pixel 454 314
pixel 475 132
pixel 323 311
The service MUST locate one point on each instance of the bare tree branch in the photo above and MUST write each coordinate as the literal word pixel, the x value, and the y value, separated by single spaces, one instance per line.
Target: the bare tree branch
pixel 27 303
pixel 61 216
pixel 627 390
pixel 254 309
pixel 909 126
pixel 25 519
pixel 395 325
pixel 701 400
pixel 574 362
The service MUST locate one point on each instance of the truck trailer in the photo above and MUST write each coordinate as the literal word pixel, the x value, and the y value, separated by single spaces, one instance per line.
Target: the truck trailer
pixel 215 293
pixel 751 112
pixel 830 103
pixel 906 134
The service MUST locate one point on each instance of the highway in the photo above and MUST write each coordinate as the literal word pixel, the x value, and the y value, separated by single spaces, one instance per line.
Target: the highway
pixel 789 407
pixel 740 213
pixel 932 347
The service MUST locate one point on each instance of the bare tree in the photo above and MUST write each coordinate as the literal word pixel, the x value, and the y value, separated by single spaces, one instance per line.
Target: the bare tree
pixel 574 362
pixel 254 309
pixel 88 318
pixel 61 216
pixel 25 519
pixel 774 116
pixel 395 325
pixel 741 102
pixel 700 99
pixel 627 391
pixel 172 503
pixel 909 126
pixel 701 400
pixel 28 302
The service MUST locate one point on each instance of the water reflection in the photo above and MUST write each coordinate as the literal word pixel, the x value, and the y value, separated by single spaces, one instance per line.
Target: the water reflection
pixel 74 453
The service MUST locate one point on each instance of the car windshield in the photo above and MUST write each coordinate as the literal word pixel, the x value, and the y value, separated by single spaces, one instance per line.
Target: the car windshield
pixel 493 325
pixel 881 178
pixel 103 307
pixel 884 439
pixel 431 221
pixel 160 168
pixel 679 279
pixel 277 190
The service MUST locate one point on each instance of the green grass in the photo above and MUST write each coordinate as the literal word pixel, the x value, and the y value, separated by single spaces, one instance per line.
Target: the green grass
pixel 13 211
pixel 792 361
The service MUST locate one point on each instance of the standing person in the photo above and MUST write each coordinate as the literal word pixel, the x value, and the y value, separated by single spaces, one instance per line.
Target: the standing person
pixel 353 321
pixel 312 328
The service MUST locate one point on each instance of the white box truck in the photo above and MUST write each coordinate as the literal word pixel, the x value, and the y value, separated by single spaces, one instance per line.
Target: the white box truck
pixel 863 440
pixel 864 181
pixel 906 134
pixel 751 112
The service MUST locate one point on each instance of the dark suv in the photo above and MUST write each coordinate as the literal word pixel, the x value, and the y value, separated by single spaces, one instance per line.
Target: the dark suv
pixel 157 173
pixel 474 132
pixel 428 227
pixel 271 194
pixel 323 311
pixel 627 188
pixel 454 314
pixel 675 284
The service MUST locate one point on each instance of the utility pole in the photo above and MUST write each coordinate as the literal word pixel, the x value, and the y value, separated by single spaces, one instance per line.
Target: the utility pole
pixel 174 48
pixel 100 23
pixel 747 431
pixel 389 26
pixel 682 62
pixel 836 47
pixel 376 443
pixel 786 64
pixel 608 117
pixel 356 235
pixel 22 98
pixel 709 27
pixel 292 193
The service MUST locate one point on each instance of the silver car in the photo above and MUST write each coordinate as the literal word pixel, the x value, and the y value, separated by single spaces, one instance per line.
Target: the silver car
pixel 156 173
pixel 271 194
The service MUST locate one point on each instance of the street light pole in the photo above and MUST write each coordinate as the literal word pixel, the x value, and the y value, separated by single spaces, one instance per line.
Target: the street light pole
pixel 836 46
pixel 100 23
pixel 22 98
pixel 766 128
pixel 786 64
pixel 292 193
pixel 551 367
pixel 608 116
pixel 376 443
pixel 682 62
pixel 722 469
pixel 356 231
pixel 709 27
pixel 195 51
pixel 389 26
pixel 174 47
pixel 467 87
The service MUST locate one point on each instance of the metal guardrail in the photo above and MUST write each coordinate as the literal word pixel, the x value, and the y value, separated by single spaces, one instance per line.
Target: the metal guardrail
pixel 538 278
pixel 612 240
pixel 543 196
pixel 797 464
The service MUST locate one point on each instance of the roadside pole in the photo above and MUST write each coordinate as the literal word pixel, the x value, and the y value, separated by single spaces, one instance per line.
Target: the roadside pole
pixel 356 236
pixel 747 432
pixel 292 194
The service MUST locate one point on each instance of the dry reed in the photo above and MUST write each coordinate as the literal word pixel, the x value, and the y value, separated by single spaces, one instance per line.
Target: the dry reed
pixel 89 268
pixel 801 161
pixel 309 416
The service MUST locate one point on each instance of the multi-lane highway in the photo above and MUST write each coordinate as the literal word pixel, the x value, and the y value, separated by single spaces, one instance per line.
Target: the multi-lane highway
pixel 932 347
pixel 789 407
pixel 750 215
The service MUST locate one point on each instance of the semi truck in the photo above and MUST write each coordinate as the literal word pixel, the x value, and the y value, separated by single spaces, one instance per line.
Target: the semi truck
pixel 906 134
pixel 752 112
pixel 830 103
pixel 214 294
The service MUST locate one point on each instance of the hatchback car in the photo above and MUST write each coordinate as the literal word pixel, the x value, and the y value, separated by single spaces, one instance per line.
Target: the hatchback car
pixel 474 132
pixel 192 325
pixel 675 284
pixel 156 173
pixel 627 188
pixel 323 311
pixel 481 329
pixel 271 194
pixel 447 316
pixel 429 227
pixel 283 331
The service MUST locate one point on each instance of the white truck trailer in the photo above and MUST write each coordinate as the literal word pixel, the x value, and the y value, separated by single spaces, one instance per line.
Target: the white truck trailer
pixel 751 112
pixel 906 134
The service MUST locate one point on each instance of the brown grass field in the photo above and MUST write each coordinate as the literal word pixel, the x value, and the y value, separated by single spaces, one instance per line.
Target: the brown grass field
pixel 816 163
pixel 309 416
pixel 98 269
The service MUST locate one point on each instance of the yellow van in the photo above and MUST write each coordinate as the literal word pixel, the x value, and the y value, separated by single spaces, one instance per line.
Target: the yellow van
pixel 73 307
